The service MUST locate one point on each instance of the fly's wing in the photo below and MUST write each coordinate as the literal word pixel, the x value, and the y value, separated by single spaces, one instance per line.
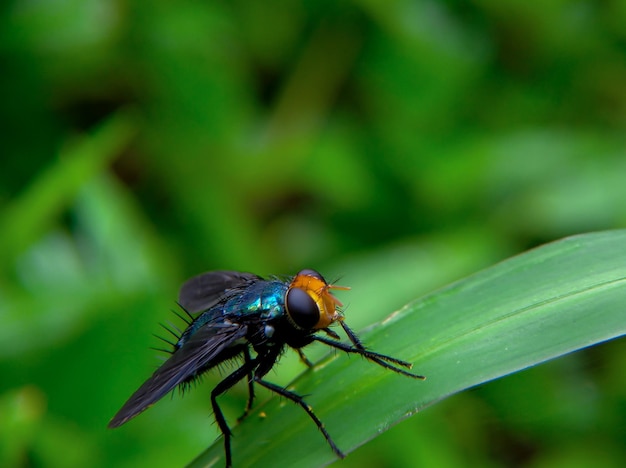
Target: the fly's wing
pixel 203 347
pixel 202 292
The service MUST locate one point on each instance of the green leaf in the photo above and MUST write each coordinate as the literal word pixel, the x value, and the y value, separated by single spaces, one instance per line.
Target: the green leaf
pixel 542 304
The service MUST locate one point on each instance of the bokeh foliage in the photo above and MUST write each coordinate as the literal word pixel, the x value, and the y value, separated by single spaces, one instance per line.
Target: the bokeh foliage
pixel 399 145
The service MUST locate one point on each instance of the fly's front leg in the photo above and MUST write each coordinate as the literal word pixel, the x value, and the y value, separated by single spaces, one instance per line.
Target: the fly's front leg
pixel 380 359
pixel 355 339
pixel 369 354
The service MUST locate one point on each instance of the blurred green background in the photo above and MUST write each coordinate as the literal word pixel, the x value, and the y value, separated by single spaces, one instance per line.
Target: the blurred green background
pixel 396 145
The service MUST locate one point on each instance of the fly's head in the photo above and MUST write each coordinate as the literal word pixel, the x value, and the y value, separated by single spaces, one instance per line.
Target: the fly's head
pixel 309 303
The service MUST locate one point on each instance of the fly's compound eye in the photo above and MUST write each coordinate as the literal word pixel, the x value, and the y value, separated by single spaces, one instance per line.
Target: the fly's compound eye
pixel 302 309
pixel 312 273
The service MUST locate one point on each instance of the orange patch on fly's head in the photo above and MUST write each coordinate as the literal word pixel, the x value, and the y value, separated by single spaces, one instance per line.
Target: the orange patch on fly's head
pixel 319 291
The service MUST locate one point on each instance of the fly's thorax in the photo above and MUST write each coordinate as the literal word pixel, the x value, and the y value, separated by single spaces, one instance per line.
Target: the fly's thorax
pixel 258 303
pixel 309 303
pixel 264 300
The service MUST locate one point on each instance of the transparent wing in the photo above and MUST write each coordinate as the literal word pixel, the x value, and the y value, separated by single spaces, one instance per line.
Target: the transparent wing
pixel 205 290
pixel 203 347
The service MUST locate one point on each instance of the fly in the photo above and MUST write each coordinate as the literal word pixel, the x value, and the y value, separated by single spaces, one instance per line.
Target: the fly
pixel 240 313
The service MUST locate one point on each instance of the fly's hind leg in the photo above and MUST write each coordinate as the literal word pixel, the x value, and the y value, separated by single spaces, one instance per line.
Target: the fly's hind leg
pixel 246 369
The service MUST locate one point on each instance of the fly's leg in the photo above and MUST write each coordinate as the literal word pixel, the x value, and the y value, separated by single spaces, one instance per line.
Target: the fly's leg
pixel 304 359
pixel 246 369
pixel 359 345
pixel 247 359
pixel 298 400
pixel 380 359
pixel 355 339
pixel 332 334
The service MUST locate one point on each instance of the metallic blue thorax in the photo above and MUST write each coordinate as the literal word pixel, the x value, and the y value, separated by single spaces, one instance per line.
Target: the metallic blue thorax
pixel 261 300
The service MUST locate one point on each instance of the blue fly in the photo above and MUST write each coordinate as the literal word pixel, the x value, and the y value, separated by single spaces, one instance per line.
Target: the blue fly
pixel 234 315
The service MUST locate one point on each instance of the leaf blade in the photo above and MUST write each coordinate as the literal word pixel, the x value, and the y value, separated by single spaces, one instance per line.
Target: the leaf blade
pixel 533 307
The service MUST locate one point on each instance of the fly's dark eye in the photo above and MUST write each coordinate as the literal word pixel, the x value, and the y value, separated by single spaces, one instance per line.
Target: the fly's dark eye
pixel 302 309
pixel 313 273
